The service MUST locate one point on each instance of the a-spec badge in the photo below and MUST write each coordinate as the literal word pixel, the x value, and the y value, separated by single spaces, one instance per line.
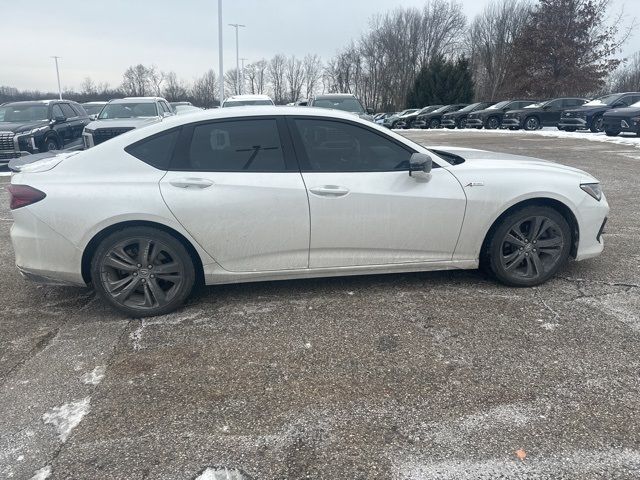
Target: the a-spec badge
pixel 474 184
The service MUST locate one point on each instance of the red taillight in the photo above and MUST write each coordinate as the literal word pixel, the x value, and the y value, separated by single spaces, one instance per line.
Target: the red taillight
pixel 23 195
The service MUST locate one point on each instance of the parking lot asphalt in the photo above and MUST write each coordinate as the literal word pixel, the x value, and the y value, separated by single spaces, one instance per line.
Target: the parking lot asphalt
pixel 444 375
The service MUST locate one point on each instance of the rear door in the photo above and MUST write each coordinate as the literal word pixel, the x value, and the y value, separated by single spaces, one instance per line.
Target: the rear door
pixel 551 113
pixel 235 186
pixel 365 208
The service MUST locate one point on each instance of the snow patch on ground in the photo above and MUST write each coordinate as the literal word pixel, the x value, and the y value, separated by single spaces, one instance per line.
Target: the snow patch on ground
pixel 66 417
pixel 95 376
pixel 222 473
pixel 5 174
pixel 625 308
pixel 42 474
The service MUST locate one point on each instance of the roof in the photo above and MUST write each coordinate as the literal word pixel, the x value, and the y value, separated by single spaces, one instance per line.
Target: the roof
pixel 95 103
pixel 33 102
pixel 136 100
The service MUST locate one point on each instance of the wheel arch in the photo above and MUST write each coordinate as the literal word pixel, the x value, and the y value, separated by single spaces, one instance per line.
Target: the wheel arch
pixel 557 205
pixel 91 247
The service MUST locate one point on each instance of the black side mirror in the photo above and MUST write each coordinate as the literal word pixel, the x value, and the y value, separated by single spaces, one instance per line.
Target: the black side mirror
pixel 370 110
pixel 420 165
pixel 58 119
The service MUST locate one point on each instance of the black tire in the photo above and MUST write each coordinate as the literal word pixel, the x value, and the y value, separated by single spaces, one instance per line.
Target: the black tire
pixel 120 274
pixel 513 253
pixel 531 123
pixel 493 123
pixel 597 124
pixel 462 123
pixel 434 123
pixel 51 143
pixel 568 129
pixel 611 133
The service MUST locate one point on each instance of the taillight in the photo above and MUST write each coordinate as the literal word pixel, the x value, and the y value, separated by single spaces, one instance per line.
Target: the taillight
pixel 23 195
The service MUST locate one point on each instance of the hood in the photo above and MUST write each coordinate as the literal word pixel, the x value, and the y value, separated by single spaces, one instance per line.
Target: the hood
pixel 487 111
pixel 456 114
pixel 431 115
pixel 589 109
pixel 485 159
pixel 525 110
pixel 625 112
pixel 18 127
pixel 135 122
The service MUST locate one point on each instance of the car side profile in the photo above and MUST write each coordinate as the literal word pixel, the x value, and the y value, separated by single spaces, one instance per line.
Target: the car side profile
pixel 590 116
pixel 539 115
pixel 408 120
pixel 622 120
pixel 458 119
pixel 270 193
pixel 39 126
pixel 491 117
pixel 434 119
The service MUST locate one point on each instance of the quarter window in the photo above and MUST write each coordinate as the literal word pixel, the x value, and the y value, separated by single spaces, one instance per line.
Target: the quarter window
pixel 156 150
pixel 334 146
pixel 235 146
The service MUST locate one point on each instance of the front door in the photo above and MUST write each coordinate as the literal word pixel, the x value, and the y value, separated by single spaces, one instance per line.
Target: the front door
pixel 365 208
pixel 235 187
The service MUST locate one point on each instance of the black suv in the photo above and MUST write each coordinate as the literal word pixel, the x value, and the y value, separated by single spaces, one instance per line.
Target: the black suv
pixel 459 119
pixel 491 118
pixel 590 116
pixel 406 121
pixel 620 120
pixel 40 126
pixel 433 119
pixel 545 114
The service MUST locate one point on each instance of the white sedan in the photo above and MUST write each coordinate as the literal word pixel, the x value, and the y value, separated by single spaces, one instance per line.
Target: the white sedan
pixel 269 193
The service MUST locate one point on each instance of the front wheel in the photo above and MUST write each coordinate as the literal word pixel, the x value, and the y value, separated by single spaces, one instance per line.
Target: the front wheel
pixel 493 123
pixel 462 123
pixel 531 123
pixel 51 144
pixel 612 133
pixel 435 123
pixel 597 125
pixel 528 246
pixel 142 271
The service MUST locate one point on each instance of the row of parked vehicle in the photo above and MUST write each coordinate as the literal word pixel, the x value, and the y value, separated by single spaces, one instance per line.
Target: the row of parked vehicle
pixel 613 114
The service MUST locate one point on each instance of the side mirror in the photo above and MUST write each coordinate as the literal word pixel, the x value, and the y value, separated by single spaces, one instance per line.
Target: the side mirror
pixel 93 117
pixel 420 165
pixel 370 111
pixel 58 119
pixel 166 114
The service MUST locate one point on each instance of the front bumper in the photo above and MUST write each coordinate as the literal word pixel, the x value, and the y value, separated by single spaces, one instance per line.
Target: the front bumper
pixel 511 123
pixel 592 217
pixel 448 123
pixel 475 123
pixel 573 122
pixel 87 140
pixel 622 124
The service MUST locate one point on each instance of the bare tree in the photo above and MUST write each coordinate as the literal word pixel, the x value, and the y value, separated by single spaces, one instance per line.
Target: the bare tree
pixel 174 89
pixel 627 78
pixel 156 77
pixel 205 89
pixel 312 68
pixel 88 87
pixel 276 71
pixel 136 81
pixel 256 74
pixel 294 74
pixel 231 85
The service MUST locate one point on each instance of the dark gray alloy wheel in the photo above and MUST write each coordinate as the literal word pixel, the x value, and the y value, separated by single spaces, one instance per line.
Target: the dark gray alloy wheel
pixel 462 123
pixel 51 144
pixel 493 123
pixel 531 123
pixel 435 123
pixel 143 271
pixel 597 124
pixel 529 246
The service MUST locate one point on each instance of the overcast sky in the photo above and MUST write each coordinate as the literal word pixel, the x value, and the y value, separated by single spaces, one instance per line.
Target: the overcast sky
pixel 100 39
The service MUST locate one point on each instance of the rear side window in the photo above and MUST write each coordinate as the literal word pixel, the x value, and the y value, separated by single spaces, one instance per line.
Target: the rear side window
pixel 156 150
pixel 235 146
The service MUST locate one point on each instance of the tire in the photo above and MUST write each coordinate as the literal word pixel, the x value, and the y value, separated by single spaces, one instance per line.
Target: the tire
pixel 568 129
pixel 462 123
pixel 612 133
pixel 146 293
pixel 493 123
pixel 531 123
pixel 597 124
pixel 434 123
pixel 51 143
pixel 513 253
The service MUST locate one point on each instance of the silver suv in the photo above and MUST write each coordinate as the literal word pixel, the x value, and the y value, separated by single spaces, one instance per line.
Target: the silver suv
pixel 124 114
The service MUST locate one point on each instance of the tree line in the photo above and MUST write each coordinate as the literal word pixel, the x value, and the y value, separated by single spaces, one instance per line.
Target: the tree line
pixel 410 57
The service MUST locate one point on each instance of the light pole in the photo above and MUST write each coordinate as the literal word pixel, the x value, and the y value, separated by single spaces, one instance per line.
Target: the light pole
pixel 242 75
pixel 237 26
pixel 58 75
pixel 220 60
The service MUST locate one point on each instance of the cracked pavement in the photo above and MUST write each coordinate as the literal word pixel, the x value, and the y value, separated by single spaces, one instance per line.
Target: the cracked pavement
pixel 441 375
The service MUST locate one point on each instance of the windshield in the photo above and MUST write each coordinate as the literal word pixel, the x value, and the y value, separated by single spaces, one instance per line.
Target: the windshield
pixel 441 109
pixel 470 108
pixel 347 104
pixel 244 103
pixel 606 100
pixel 128 110
pixel 23 113
pixel 92 109
pixel 499 105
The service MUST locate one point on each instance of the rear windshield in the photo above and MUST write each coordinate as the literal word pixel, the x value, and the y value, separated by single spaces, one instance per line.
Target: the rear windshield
pixel 128 110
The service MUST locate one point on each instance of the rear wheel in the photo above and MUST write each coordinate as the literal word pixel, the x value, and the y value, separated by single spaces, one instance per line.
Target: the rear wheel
pixel 142 271
pixel 531 123
pixel 528 246
pixel 493 123
pixel 597 125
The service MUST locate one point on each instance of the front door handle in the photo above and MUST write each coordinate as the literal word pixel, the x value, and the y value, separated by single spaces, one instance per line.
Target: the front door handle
pixel 329 191
pixel 191 183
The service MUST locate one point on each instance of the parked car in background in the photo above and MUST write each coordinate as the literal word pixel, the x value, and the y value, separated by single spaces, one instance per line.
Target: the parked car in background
pixel 93 108
pixel 381 117
pixel 458 119
pixel 182 109
pixel 590 116
pixel 406 121
pixel 392 120
pixel 622 120
pixel 271 193
pixel 124 114
pixel 434 118
pixel 347 102
pixel 40 126
pixel 246 100
pixel 539 115
pixel 491 117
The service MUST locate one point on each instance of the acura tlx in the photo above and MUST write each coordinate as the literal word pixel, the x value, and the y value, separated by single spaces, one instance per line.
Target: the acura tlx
pixel 268 193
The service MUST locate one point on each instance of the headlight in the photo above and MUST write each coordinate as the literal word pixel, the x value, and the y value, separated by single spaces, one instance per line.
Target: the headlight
pixel 636 120
pixel 593 189
pixel 33 131
pixel 86 130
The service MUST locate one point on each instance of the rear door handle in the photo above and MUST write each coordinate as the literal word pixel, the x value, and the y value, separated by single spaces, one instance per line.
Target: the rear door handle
pixel 191 183
pixel 329 191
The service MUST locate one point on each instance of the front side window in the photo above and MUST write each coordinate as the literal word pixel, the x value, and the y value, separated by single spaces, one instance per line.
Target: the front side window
pixel 235 146
pixel 57 112
pixel 334 146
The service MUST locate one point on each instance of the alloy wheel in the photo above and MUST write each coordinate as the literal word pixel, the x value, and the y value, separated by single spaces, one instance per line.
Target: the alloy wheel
pixel 142 273
pixel 532 123
pixel 493 123
pixel 51 144
pixel 462 123
pixel 532 247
